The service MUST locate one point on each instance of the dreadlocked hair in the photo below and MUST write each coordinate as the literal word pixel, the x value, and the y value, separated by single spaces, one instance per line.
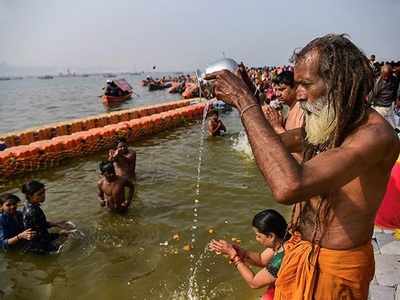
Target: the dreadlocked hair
pixel 349 78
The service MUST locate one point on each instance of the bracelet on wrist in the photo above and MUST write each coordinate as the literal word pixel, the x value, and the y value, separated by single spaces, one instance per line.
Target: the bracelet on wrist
pixel 246 108
pixel 233 257
pixel 236 260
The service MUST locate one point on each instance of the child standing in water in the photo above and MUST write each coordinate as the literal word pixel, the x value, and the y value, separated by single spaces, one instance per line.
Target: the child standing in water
pixel 34 218
pixel 112 189
pixel 270 228
pixel 12 233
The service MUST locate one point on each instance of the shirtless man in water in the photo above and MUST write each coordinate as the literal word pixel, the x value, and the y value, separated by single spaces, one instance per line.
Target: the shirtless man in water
pixel 124 159
pixel 112 189
pixel 349 150
pixel 215 125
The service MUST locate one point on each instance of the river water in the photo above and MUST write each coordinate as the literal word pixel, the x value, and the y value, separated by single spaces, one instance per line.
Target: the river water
pixel 140 255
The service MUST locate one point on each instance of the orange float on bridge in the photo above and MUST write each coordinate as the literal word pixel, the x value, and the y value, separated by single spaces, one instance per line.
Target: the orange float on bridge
pixel 41 148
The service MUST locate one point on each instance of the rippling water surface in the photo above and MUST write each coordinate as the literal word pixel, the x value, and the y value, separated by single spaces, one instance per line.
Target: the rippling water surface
pixel 135 256
pixel 31 101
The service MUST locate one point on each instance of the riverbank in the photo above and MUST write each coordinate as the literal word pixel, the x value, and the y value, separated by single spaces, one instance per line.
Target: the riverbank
pixel 386 282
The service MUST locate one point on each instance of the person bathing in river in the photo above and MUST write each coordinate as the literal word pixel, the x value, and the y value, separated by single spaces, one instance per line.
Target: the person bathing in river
pixel 124 159
pixel 270 228
pixel 215 125
pixel 349 151
pixel 43 241
pixel 111 187
pixel 12 232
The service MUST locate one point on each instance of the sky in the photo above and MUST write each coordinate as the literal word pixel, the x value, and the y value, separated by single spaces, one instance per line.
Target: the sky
pixel 178 35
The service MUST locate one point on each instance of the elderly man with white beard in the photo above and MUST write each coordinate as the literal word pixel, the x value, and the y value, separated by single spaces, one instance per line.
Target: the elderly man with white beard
pixel 335 192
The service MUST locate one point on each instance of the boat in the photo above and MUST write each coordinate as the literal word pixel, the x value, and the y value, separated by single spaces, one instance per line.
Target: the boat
pixel 109 75
pixel 116 99
pixel 155 86
pixel 46 77
pixel 126 89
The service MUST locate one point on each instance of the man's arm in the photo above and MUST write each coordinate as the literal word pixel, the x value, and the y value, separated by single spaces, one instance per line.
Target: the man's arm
pixel 133 159
pixel 289 181
pixel 100 194
pixel 131 192
pixel 119 158
pixel 212 129
pixel 293 140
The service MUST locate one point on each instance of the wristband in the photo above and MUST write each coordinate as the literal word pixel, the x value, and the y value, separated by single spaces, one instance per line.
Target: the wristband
pixel 238 261
pixel 18 237
pixel 246 108
pixel 234 257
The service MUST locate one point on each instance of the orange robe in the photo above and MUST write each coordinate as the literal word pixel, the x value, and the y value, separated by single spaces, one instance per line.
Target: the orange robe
pixel 324 274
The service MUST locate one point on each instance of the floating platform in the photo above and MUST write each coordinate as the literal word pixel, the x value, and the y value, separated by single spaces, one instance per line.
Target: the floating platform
pixel 47 146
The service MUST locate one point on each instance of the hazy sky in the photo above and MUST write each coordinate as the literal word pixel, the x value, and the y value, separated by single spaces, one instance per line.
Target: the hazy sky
pixel 181 35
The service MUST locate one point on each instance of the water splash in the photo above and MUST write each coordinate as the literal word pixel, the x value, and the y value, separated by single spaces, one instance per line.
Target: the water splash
pixel 192 292
pixel 242 145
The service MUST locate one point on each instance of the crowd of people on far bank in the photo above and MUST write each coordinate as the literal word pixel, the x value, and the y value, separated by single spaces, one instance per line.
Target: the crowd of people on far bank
pixel 298 259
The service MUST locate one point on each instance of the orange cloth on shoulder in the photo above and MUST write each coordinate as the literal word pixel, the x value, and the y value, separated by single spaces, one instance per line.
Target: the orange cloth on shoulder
pixel 319 273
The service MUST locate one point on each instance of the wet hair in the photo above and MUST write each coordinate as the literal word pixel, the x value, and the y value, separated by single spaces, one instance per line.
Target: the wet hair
pixel 8 197
pixel 31 187
pixel 349 78
pixel 213 112
pixel 270 221
pixel 286 77
pixel 106 167
pixel 122 140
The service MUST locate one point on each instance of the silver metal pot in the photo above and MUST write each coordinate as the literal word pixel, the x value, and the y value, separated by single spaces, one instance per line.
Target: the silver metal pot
pixel 223 64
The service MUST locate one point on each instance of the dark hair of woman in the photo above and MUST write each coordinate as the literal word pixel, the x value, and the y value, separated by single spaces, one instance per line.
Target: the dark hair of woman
pixel 9 197
pixel 270 221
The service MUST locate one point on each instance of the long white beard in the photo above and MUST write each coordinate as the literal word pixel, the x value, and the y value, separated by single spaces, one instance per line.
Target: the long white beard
pixel 320 121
